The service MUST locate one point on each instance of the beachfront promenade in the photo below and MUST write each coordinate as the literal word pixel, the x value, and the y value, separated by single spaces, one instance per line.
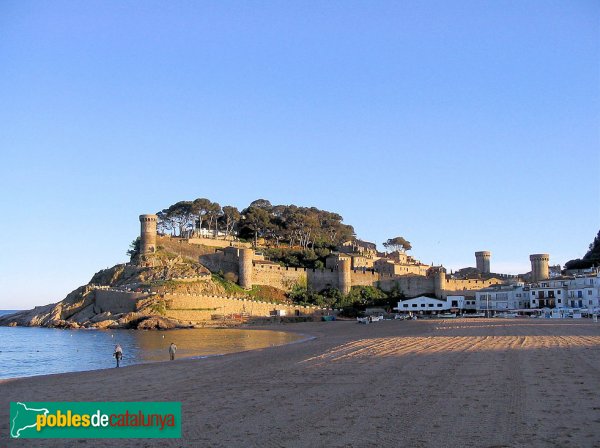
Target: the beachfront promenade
pixel 438 383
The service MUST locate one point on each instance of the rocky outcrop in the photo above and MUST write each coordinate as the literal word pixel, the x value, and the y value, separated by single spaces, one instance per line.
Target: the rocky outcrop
pixel 79 310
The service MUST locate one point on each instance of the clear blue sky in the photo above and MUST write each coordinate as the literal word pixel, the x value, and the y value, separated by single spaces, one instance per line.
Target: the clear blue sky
pixel 461 125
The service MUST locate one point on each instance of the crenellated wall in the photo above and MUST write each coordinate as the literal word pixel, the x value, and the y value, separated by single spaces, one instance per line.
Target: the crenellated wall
pixel 202 307
pixel 278 276
pixel 227 261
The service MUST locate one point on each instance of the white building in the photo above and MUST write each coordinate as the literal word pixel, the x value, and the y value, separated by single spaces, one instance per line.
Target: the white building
pixel 502 298
pixel 429 305
pixel 566 292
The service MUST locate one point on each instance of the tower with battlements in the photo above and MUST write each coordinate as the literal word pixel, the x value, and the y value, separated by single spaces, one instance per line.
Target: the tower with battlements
pixel 539 267
pixel 148 234
pixel 482 259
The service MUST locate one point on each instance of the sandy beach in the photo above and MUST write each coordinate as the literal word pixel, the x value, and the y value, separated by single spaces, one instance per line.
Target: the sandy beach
pixel 436 383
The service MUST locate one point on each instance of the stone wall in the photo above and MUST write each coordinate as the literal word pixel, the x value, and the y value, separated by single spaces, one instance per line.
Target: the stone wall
pixel 277 276
pixel 202 307
pixel 117 301
pixel 468 287
pixel 319 279
pixel 212 242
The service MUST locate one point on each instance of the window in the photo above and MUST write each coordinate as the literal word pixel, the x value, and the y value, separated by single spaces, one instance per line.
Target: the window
pixel 430 305
pixel 414 305
pixel 589 292
pixel 558 292
pixel 439 305
pixel 559 301
pixel 405 305
pixel 422 305
pixel 533 293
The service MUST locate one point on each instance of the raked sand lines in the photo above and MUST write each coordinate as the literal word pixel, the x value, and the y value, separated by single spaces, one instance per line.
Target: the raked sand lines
pixel 429 345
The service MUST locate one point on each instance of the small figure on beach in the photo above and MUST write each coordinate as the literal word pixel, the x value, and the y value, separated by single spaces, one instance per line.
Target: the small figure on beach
pixel 172 350
pixel 118 354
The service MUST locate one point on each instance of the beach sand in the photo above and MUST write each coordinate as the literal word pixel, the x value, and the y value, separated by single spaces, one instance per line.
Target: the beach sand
pixel 430 383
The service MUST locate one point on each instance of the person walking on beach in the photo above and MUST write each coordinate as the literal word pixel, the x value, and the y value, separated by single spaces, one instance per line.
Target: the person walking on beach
pixel 118 354
pixel 172 350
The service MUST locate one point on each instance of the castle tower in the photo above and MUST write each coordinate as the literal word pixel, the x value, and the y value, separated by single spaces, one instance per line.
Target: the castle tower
pixel 245 268
pixel 539 267
pixel 148 234
pixel 344 275
pixel 439 280
pixel 483 261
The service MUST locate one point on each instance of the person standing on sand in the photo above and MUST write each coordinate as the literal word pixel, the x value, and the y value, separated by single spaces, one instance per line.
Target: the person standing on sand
pixel 172 350
pixel 118 354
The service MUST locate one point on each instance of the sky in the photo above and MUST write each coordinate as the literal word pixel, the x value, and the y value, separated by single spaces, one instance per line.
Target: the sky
pixel 460 125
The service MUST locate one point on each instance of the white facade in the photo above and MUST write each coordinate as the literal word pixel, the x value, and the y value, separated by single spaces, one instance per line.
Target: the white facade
pixel 577 292
pixel 428 304
pixel 502 298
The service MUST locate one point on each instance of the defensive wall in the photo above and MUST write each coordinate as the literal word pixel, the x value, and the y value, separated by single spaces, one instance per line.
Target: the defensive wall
pixel 194 307
pixel 214 242
pixel 278 276
pixel 228 260
pixel 117 301
pixel 197 307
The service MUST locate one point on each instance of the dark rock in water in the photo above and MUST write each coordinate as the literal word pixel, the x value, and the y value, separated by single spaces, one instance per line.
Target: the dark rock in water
pixel 158 323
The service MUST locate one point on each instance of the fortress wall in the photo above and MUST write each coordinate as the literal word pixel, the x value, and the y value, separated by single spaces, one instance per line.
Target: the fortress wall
pixel 410 285
pixel 319 279
pixel 117 301
pixel 177 304
pixel 277 276
pixel 468 287
pixel 212 242
pixel 364 278
pixel 217 261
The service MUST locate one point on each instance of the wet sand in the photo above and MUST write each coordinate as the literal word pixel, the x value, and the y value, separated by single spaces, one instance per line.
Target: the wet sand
pixel 443 383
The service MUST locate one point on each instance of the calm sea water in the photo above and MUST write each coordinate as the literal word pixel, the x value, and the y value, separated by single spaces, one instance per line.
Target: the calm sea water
pixel 28 351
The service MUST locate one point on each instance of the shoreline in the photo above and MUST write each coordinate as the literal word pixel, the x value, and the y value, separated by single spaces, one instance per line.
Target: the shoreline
pixel 456 382
pixel 301 338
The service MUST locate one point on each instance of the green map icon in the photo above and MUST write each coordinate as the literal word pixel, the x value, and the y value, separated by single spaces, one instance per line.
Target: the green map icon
pixel 23 417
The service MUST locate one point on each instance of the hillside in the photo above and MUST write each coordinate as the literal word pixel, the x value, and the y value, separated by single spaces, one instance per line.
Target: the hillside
pixel 170 273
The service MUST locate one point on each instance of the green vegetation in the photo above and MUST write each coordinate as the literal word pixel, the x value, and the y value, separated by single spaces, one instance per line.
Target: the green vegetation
pixel 297 227
pixel 267 294
pixel 397 243
pixel 590 259
pixel 359 298
pixel 134 248
pixel 229 286
pixel 159 307
pixel 306 258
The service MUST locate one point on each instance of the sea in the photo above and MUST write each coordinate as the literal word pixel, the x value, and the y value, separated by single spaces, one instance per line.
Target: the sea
pixel 30 351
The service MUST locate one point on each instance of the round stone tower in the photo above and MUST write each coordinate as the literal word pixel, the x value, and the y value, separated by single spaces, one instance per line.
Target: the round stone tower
pixel 539 267
pixel 148 234
pixel 245 268
pixel 439 279
pixel 483 261
pixel 344 275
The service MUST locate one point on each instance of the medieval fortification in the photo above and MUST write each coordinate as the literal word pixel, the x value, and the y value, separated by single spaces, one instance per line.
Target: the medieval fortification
pixel 355 265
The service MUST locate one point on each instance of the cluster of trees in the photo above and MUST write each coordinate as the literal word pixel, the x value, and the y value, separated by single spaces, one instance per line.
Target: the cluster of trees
pixel 359 298
pixel 590 259
pixel 397 243
pixel 185 217
pixel 302 227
